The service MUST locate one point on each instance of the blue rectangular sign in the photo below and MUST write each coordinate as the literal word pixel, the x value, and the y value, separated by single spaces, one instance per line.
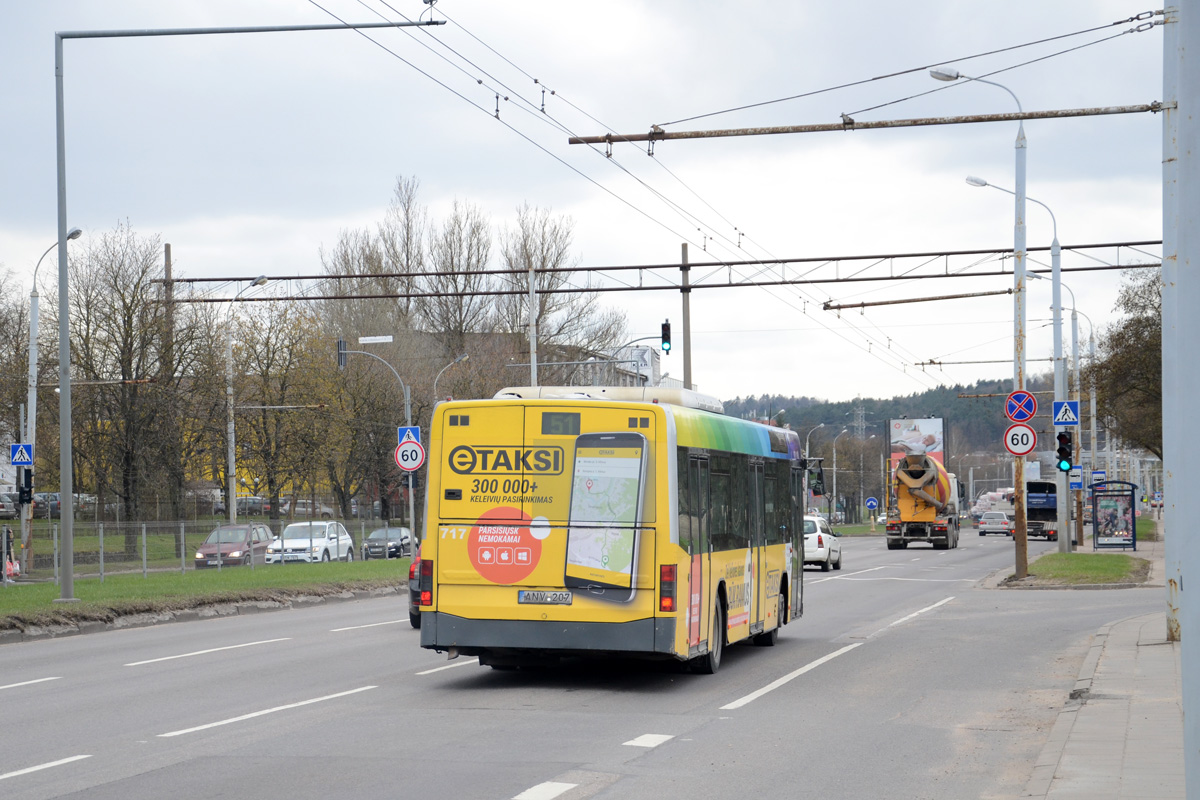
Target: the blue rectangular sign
pixel 1076 478
pixel 21 455
pixel 1066 412
pixel 403 432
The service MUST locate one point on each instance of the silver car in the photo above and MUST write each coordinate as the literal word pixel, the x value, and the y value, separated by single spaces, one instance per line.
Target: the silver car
pixel 995 522
pixel 8 506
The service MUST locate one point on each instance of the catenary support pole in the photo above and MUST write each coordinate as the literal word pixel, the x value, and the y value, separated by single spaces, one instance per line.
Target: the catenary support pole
pixel 1170 352
pixel 1180 449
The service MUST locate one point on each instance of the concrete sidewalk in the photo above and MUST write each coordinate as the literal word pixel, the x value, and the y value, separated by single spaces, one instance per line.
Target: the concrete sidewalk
pixel 1121 733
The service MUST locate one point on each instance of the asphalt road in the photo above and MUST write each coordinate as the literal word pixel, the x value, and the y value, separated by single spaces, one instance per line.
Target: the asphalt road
pixel 902 680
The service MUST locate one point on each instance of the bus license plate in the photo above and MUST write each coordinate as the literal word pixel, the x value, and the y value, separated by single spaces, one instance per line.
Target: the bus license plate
pixel 544 598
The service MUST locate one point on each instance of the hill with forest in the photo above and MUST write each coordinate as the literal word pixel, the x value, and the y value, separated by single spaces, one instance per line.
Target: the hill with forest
pixel 973 413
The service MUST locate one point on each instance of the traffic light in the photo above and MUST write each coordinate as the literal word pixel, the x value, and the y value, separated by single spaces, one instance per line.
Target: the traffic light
pixel 1065 456
pixel 666 336
pixel 25 490
pixel 341 351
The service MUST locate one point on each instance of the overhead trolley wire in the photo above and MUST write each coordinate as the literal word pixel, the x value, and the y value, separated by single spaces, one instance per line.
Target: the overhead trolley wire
pixel 1135 18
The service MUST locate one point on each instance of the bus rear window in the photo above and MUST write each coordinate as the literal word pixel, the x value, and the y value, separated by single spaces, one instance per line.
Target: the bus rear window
pixel 560 423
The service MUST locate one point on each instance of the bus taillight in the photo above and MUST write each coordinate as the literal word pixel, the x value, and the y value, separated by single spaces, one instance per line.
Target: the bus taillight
pixel 666 591
pixel 425 585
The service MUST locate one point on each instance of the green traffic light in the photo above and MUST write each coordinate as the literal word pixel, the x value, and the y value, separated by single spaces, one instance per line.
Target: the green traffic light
pixel 1064 465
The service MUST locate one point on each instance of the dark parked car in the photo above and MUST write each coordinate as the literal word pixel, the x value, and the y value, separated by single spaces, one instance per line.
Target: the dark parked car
pixel 398 543
pixel 45 505
pixel 236 545
pixel 251 506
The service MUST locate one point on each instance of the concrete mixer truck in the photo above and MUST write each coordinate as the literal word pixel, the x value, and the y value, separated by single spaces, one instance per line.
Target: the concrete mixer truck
pixel 923 504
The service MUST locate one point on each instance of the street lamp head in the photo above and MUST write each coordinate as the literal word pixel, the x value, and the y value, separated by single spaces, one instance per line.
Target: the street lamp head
pixel 945 74
pixel 973 181
pixel 261 280
pixel 463 357
pixel 74 233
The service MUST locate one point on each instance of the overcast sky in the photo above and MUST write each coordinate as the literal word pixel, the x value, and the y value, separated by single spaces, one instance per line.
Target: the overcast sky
pixel 250 153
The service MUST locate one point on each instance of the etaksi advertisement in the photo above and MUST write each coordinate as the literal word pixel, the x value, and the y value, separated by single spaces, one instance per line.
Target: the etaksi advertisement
pixel 562 511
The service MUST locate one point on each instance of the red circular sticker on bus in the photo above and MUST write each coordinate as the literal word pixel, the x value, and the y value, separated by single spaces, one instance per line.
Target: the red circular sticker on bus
pixel 501 546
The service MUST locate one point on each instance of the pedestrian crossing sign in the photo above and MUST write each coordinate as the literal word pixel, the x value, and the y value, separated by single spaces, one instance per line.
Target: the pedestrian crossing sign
pixel 1066 412
pixel 21 455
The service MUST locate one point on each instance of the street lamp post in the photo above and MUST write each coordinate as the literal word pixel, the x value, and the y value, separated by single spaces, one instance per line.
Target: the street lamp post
pixel 463 357
pixel 412 520
pixel 67 504
pixel 861 481
pixel 1020 533
pixel 230 463
pixel 835 494
pixel 31 401
pixel 810 433
pixel 1060 376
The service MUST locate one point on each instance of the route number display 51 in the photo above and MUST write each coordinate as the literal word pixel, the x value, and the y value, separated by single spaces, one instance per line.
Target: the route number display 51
pixel 1020 439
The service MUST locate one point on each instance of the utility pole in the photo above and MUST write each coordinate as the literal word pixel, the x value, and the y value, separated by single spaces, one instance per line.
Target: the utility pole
pixel 687 320
pixel 533 371
pixel 1179 296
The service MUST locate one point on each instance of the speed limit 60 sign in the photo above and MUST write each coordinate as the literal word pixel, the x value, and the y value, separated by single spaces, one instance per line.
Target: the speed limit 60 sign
pixel 1020 439
pixel 410 455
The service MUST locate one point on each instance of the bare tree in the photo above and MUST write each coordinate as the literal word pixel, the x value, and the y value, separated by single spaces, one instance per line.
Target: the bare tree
pixel 117 329
pixel 14 355
pixel 277 357
pixel 461 248
pixel 571 324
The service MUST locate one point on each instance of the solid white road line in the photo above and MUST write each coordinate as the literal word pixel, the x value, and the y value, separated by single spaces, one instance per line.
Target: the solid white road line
pixel 28 770
pixel 264 712
pixel 919 580
pixel 462 663
pixel 545 791
pixel 770 687
pixel 649 740
pixel 372 625
pixel 922 611
pixel 28 683
pixel 203 652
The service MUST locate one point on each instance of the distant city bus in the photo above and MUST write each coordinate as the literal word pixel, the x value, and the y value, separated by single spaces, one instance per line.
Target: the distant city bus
pixel 566 521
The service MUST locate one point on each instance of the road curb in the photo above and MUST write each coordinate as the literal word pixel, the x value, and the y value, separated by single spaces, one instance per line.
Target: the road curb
pixel 212 611
pixel 1046 766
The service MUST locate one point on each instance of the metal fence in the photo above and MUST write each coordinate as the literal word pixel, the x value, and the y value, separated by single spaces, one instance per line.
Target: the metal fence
pixel 101 548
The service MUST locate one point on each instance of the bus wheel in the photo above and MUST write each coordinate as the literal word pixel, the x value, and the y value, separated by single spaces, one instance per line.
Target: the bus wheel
pixel 710 662
pixel 769 638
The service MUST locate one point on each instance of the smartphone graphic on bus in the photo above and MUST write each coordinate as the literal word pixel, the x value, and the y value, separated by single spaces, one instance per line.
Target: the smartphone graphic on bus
pixel 607 488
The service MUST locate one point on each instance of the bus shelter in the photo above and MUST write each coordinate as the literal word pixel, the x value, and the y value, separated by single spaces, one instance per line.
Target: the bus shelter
pixel 1113 521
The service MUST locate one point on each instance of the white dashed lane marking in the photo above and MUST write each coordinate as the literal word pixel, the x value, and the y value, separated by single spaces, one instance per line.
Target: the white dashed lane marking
pixel 40 767
pixel 649 740
pixel 545 791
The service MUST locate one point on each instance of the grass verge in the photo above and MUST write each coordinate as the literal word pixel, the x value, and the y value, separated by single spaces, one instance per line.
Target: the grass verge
pixel 1079 569
pixel 32 604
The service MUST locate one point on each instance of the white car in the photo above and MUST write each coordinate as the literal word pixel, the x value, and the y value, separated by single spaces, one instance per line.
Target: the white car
pixel 821 545
pixel 312 541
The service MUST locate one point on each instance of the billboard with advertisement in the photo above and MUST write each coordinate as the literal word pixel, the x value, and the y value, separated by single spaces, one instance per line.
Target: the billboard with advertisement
pixel 908 436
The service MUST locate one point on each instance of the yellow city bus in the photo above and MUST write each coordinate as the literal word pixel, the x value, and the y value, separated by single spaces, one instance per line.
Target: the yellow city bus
pixel 568 521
